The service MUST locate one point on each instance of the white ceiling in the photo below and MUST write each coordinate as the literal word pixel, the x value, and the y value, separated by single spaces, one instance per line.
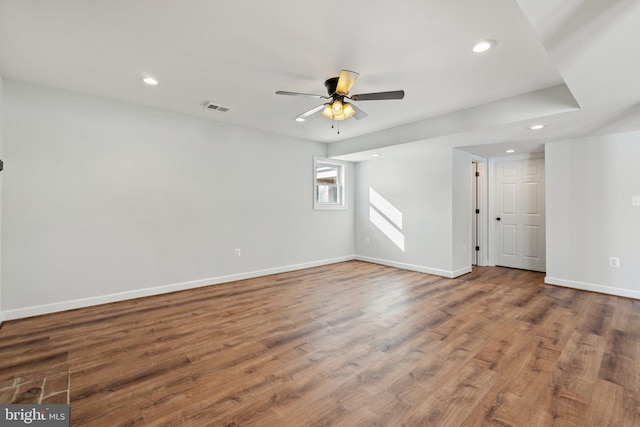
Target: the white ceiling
pixel 572 65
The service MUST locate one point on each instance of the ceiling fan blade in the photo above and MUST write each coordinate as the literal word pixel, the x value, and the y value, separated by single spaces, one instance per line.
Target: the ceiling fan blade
pixel 284 92
pixel 359 115
pixel 310 112
pixel 345 81
pixel 394 94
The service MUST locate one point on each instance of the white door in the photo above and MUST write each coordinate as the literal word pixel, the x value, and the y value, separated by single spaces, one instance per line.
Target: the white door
pixel 520 219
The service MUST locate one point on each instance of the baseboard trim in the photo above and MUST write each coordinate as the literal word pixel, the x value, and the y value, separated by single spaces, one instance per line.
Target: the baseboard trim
pixel 461 272
pixel 158 290
pixel 583 286
pixel 418 268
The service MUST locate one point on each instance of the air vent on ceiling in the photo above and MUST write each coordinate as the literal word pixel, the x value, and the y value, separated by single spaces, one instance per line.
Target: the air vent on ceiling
pixel 212 106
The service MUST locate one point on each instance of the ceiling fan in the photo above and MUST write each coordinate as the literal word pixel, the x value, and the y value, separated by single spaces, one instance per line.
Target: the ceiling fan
pixel 338 107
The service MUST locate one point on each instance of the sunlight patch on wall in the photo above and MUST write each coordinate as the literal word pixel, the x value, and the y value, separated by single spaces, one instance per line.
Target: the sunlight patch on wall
pixel 386 217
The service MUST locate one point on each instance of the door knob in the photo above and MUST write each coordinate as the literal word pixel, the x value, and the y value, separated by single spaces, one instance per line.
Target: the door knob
pixel 498 219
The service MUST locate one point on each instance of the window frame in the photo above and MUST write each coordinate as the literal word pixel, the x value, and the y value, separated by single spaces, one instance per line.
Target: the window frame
pixel 341 184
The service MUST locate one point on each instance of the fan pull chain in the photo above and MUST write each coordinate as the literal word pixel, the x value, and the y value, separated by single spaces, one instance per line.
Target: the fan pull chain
pixel 332 127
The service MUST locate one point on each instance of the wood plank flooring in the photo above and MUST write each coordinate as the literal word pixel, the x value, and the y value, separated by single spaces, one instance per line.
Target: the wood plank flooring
pixel 350 344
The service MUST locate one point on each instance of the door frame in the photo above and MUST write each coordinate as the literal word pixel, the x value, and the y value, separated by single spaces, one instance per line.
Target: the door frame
pixel 492 179
pixel 483 217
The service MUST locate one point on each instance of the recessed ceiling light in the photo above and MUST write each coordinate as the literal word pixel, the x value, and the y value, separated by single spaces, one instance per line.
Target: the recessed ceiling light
pixel 299 119
pixel 536 127
pixel 150 81
pixel 375 155
pixel 510 151
pixel 483 46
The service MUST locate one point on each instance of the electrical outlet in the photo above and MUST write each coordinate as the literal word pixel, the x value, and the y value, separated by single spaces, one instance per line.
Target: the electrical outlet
pixel 367 241
pixel 238 252
pixel 614 261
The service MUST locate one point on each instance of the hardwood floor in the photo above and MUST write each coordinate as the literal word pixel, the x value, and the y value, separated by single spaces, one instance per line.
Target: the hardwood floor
pixel 351 344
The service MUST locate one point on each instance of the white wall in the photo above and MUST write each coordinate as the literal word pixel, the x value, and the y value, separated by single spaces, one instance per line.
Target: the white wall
pixel 462 212
pixel 105 201
pixel 1 173
pixel 421 186
pixel 590 183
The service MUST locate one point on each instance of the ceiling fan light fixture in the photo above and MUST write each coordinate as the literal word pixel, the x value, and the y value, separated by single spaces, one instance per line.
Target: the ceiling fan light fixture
pixel 338 110
pixel 336 106
pixel 347 110
pixel 327 112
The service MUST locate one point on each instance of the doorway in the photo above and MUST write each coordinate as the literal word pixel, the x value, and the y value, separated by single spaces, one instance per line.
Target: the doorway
pixel 475 214
pixel 479 242
pixel 519 217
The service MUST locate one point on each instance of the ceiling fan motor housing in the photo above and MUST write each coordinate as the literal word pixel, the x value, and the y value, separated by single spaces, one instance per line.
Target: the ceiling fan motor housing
pixel 331 85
